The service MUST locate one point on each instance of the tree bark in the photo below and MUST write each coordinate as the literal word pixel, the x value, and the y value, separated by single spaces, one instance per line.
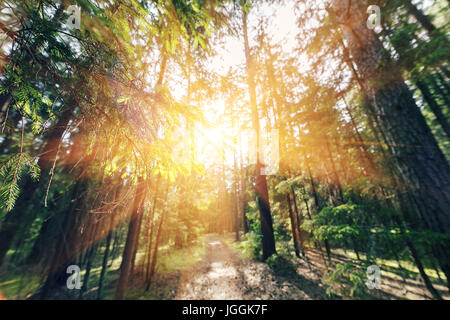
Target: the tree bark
pixel 243 191
pixel 262 193
pixel 294 227
pixel 67 247
pixel 130 244
pixel 105 260
pixel 420 163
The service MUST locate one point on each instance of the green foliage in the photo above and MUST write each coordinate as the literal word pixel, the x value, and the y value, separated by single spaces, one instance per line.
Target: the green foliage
pixel 350 223
pixel 251 244
pixel 427 238
pixel 11 171
pixel 19 285
pixel 340 222
pixel 280 264
pixel 346 280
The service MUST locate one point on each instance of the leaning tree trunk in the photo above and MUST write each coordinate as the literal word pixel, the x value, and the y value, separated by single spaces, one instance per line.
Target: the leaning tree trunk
pixel 130 244
pixel 105 258
pixel 421 164
pixel 435 108
pixel 67 246
pixel 420 16
pixel 154 256
pixel 137 234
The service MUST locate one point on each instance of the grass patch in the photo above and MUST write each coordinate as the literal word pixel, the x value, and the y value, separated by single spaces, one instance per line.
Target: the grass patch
pixel 171 260
pixel 391 266
pixel 15 286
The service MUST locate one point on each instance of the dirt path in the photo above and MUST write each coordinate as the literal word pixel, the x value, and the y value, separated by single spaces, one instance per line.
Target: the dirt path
pixel 222 275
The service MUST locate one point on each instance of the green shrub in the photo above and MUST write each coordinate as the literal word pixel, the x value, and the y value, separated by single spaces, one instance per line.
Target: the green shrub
pixel 346 280
pixel 279 264
pixel 251 244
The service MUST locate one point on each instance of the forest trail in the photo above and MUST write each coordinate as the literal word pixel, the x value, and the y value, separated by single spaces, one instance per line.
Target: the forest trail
pixel 222 275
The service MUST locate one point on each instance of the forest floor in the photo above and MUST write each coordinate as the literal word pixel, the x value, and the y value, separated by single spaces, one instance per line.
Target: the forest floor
pixel 224 273
pixel 216 268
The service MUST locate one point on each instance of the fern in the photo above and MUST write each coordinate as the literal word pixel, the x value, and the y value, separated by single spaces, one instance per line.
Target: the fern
pixel 11 171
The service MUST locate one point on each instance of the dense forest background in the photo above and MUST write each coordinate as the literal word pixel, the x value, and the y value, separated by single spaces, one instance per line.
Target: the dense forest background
pixel 136 145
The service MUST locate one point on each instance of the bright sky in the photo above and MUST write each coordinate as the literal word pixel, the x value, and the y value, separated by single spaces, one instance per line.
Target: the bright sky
pixel 282 29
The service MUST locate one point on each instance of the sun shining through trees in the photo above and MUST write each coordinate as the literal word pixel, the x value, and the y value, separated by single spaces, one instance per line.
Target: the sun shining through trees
pixel 224 149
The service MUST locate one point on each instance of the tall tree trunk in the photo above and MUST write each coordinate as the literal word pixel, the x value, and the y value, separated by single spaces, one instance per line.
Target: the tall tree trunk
pixel 109 237
pixel 236 200
pixel 130 244
pixel 150 251
pixel 105 259
pixel 298 219
pixel 89 261
pixel 313 187
pixel 67 247
pixel 243 191
pixel 420 162
pixel 305 200
pixel 154 257
pixel 235 182
pixel 137 234
pixel 294 227
pixel 262 193
pixel 417 260
pixel 337 181
pixel 152 228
